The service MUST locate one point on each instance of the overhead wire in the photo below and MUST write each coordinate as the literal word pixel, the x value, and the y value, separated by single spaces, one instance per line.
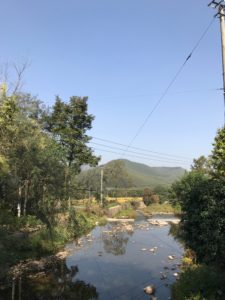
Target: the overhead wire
pixel 173 93
pixel 141 149
pixel 170 85
pixel 142 154
pixel 136 156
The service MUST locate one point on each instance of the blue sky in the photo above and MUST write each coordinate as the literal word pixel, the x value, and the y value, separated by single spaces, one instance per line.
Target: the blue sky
pixel 123 54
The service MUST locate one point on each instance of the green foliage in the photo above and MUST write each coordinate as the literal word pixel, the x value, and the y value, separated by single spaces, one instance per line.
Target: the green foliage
pixel 12 223
pixel 162 192
pixel 116 176
pixel 80 223
pixel 162 208
pixel 40 153
pixel 202 200
pixel 218 154
pixel 147 196
pixel 124 178
pixel 199 283
pixel 128 213
pixel 201 165
pixel 68 123
pixel 143 175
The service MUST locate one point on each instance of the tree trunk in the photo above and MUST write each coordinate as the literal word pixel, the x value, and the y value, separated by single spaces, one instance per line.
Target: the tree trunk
pixel 19 202
pixel 25 198
pixel 13 289
pixel 69 198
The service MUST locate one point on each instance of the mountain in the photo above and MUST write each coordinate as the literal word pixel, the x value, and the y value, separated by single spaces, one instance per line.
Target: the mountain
pixel 142 174
pixel 125 173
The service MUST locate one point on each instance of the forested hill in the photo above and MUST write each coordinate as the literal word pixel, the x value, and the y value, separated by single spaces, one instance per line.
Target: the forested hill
pixel 142 174
pixel 124 173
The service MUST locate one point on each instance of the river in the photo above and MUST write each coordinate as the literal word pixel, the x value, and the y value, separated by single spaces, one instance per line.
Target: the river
pixel 112 262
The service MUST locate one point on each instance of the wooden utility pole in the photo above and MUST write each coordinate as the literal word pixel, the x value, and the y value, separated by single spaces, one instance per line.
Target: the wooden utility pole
pixel 220 5
pixel 222 28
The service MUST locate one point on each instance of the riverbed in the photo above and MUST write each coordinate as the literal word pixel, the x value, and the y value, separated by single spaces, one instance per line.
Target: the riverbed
pixel 113 262
pixel 119 263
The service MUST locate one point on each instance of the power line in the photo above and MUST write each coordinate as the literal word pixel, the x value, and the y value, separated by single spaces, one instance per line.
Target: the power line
pixel 170 85
pixel 141 149
pixel 157 93
pixel 142 154
pixel 136 156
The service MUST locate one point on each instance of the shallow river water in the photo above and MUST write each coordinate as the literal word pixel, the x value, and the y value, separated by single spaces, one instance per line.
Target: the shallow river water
pixel 119 264
pixel 113 262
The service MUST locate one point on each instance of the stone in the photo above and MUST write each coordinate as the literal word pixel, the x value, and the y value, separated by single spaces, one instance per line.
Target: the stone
pixel 163 276
pixel 156 222
pixel 128 227
pixel 171 257
pixel 150 289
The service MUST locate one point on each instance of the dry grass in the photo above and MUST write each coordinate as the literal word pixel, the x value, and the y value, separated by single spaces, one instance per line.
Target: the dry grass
pixel 124 199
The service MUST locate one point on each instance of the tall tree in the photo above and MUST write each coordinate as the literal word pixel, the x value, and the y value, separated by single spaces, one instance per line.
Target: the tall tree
pixel 68 124
pixel 201 165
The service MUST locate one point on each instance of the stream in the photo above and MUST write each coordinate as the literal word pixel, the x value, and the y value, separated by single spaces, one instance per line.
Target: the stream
pixel 116 261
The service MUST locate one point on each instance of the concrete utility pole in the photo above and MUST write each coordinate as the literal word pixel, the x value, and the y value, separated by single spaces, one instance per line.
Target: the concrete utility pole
pixel 220 6
pixel 102 172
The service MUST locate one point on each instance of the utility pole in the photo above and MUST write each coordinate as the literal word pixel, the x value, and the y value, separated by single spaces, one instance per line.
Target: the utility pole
pixel 102 173
pixel 220 6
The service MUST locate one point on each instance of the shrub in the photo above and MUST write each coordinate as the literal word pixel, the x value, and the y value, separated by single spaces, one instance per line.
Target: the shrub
pixel 202 201
pixel 147 196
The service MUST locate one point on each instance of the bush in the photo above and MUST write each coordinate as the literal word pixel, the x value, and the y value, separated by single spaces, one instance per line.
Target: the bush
pixel 202 201
pixel 199 283
pixel 147 196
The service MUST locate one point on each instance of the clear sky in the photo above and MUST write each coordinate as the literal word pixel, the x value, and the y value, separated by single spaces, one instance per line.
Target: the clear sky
pixel 123 54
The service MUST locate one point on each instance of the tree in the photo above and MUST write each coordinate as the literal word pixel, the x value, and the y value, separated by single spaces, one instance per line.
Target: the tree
pixel 201 164
pixel 116 176
pixel 147 196
pixel 202 200
pixel 218 154
pixel 68 124
pixel 29 157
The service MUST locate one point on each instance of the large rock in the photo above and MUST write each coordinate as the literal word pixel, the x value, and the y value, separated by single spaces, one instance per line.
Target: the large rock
pixel 150 289
pixel 158 222
pixel 112 211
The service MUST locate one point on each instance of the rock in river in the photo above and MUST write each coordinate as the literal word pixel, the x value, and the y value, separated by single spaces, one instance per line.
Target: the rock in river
pixel 150 289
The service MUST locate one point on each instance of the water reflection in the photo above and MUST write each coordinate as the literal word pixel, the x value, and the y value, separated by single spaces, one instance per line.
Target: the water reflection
pixel 176 232
pixel 57 283
pixel 115 239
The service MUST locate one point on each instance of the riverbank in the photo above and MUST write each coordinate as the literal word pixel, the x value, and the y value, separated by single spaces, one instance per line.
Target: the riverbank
pixel 27 243
pixel 27 238
pixel 199 281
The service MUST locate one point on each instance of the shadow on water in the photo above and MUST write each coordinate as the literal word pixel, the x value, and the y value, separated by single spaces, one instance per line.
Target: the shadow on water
pixel 57 283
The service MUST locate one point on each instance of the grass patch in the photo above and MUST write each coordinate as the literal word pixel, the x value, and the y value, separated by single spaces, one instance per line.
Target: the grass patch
pixel 128 213
pixel 162 208
pixel 111 204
